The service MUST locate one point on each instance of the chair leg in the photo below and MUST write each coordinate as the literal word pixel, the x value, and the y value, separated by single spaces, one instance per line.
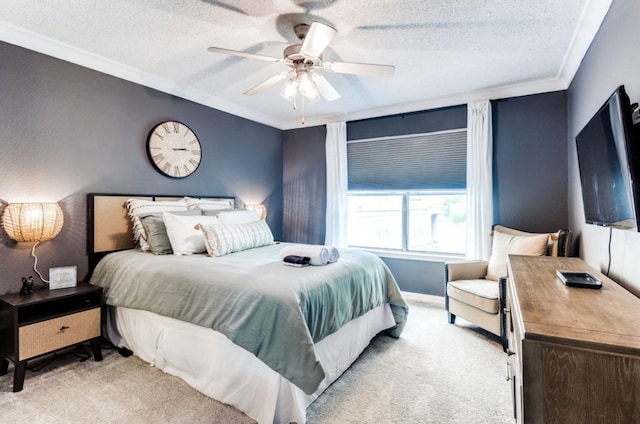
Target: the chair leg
pixel 502 282
pixel 452 318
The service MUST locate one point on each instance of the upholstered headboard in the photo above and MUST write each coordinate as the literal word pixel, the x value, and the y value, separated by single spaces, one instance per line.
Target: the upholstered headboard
pixel 109 225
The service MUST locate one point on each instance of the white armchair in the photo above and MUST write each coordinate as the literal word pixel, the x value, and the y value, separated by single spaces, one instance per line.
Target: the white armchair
pixel 475 290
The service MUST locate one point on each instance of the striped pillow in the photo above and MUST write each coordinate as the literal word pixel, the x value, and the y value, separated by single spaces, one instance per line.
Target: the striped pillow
pixel 138 207
pixel 223 239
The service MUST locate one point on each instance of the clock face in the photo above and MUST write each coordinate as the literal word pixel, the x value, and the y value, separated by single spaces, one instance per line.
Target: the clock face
pixel 174 150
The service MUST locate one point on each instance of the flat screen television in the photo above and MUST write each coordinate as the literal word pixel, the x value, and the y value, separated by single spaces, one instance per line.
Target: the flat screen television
pixel 609 163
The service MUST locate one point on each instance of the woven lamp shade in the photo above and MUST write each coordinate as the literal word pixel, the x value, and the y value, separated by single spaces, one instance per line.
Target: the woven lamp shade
pixel 29 222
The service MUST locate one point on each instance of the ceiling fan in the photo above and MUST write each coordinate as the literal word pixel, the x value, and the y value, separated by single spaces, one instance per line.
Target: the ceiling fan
pixel 305 57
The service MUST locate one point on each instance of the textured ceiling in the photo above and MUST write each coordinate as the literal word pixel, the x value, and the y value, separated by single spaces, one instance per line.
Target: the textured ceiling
pixel 445 51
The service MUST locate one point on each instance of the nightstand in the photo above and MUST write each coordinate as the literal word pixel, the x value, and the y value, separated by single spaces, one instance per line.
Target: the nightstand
pixel 48 320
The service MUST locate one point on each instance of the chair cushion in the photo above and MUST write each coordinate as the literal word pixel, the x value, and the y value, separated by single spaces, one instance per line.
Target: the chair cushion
pixel 483 294
pixel 505 244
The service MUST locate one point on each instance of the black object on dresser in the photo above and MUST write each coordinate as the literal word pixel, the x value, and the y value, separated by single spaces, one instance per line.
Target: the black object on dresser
pixel 48 320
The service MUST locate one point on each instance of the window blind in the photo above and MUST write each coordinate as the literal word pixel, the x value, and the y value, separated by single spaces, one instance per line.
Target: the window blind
pixel 431 161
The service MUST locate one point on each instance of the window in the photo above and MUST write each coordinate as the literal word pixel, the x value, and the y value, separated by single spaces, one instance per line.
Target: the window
pixel 424 222
pixel 408 193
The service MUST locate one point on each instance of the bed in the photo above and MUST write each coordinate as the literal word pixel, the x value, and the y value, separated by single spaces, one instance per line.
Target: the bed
pixel 240 327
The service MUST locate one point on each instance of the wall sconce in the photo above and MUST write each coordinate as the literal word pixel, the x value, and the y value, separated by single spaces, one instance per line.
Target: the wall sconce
pixel 258 207
pixel 32 222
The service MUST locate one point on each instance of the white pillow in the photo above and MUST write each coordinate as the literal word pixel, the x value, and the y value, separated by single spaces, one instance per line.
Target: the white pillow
pixel 185 239
pixel 509 244
pixel 137 207
pixel 208 204
pixel 238 216
pixel 223 239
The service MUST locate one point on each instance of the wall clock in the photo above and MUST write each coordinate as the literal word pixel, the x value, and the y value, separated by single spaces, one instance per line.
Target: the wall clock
pixel 173 149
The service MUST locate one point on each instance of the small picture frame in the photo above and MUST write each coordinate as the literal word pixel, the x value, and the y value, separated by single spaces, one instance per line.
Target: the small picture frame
pixel 62 277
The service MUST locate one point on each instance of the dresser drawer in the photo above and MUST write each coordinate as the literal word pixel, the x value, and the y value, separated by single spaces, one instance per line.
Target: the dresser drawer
pixel 46 336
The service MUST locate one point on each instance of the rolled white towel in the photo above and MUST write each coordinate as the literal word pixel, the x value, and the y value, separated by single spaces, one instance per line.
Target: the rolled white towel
pixel 318 255
pixel 334 254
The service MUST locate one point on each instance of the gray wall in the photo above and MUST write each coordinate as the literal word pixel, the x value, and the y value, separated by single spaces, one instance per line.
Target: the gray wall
pixel 409 123
pixel 530 162
pixel 68 130
pixel 305 185
pixel 612 60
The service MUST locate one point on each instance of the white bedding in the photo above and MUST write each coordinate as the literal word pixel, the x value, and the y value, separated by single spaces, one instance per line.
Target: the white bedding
pixel 209 362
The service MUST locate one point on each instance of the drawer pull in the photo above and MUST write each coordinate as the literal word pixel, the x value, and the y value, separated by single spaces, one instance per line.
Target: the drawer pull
pixel 64 327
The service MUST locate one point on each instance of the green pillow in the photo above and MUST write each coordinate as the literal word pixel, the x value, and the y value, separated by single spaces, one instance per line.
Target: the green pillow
pixel 157 238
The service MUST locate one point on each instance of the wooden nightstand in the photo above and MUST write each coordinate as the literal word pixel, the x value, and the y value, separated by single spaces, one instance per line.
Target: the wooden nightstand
pixel 45 321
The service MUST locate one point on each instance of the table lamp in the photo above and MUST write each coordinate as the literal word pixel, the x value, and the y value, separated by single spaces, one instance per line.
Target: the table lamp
pixel 258 207
pixel 32 222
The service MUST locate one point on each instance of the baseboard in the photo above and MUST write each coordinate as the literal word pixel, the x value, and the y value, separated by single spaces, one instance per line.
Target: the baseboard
pixel 426 298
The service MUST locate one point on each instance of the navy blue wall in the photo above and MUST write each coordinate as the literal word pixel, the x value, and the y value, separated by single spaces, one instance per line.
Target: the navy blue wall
pixel 409 123
pixel 68 130
pixel 530 162
pixel 305 185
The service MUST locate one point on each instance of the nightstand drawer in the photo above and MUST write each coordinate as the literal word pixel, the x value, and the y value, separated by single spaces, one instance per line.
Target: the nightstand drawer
pixel 46 336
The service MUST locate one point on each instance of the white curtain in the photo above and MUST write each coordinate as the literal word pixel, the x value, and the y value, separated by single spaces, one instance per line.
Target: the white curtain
pixel 337 179
pixel 479 180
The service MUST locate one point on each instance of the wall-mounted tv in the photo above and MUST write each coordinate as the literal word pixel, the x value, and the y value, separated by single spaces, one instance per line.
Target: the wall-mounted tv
pixel 609 165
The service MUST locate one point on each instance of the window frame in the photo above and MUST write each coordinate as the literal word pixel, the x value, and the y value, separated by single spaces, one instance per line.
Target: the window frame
pixel 404 250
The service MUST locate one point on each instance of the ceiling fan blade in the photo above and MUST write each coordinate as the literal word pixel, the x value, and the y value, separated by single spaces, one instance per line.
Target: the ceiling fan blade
pixel 318 37
pixel 243 54
pixel 267 83
pixel 360 69
pixel 325 89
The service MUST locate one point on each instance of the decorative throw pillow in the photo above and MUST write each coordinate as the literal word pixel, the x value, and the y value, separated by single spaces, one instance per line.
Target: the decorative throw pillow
pixel 223 239
pixel 509 244
pixel 238 216
pixel 156 231
pixel 552 246
pixel 208 204
pixel 215 212
pixel 137 207
pixel 185 239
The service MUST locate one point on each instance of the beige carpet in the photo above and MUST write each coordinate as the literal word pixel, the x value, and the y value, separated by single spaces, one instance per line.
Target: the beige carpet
pixel 435 373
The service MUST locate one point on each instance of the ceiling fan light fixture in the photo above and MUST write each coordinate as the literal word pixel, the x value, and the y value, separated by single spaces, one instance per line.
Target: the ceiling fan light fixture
pixel 290 88
pixel 307 86
pixel 302 83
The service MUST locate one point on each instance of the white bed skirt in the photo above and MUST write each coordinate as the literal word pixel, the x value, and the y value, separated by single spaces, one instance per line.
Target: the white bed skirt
pixel 209 362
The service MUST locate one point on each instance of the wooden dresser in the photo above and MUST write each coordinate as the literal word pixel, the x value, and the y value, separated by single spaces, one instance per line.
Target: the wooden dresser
pixel 574 352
